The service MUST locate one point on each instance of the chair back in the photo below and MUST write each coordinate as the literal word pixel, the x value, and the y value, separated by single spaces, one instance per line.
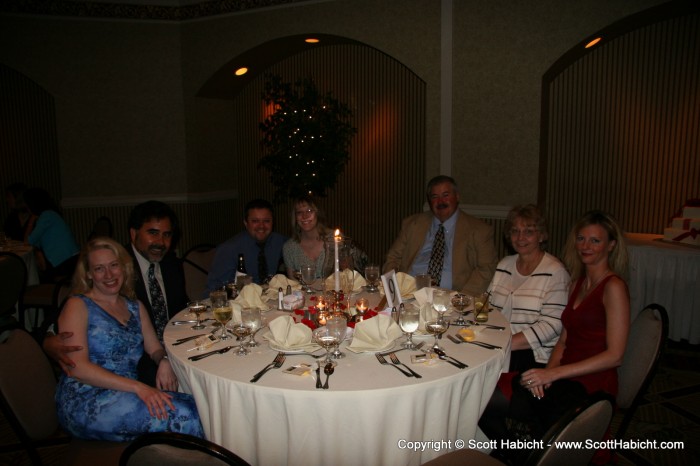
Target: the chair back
pixel 13 276
pixel 196 264
pixel 645 345
pixel 102 227
pixel 588 421
pixel 175 449
pixel 27 388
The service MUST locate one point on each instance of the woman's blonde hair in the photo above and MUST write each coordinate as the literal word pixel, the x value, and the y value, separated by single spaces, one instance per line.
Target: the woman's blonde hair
pixel 321 227
pixel 83 284
pixel 617 258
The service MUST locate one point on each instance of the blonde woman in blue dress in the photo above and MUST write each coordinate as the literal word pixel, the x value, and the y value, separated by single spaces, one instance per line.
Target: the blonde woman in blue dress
pixel 101 398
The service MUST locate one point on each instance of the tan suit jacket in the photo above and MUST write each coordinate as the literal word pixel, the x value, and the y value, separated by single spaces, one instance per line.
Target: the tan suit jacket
pixel 473 252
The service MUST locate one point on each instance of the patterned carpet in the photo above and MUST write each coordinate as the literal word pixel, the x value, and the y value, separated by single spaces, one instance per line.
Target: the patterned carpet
pixel 671 412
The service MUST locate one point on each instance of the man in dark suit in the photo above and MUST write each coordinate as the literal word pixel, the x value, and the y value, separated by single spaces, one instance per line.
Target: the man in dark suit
pixel 160 278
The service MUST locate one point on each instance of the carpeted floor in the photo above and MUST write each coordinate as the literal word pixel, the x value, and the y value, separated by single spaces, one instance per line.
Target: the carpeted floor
pixel 671 412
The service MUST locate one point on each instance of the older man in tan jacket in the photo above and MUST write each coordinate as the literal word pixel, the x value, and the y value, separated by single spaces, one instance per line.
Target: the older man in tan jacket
pixel 467 257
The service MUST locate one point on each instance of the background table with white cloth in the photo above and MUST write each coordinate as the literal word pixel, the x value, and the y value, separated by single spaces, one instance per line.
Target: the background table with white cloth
pixel 366 416
pixel 667 274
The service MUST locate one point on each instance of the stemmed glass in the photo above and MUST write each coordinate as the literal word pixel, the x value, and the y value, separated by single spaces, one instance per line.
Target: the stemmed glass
pixel 327 339
pixel 441 300
pixel 460 302
pixel 252 319
pixel 197 308
pixel 372 277
pixel 408 321
pixel 437 328
pixel 241 331
pixel 347 283
pixel 219 302
pixel 308 275
pixel 338 326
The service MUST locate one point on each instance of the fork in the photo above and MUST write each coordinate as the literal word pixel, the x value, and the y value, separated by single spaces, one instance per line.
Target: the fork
pixel 387 353
pixel 381 359
pixel 276 364
pixel 396 362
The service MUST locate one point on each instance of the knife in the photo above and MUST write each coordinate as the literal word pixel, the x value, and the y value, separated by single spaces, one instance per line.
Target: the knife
pixel 478 343
pixel 183 322
pixel 219 351
pixel 494 327
pixel 184 340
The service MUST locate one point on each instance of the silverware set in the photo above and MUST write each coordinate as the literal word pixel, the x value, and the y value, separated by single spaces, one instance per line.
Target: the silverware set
pixel 455 362
pixel 275 364
pixel 417 347
pixel 458 339
pixel 395 364
pixel 223 350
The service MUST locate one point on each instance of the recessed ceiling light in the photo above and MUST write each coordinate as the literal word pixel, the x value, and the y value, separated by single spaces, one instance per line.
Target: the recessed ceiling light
pixel 311 40
pixel 593 42
pixel 241 71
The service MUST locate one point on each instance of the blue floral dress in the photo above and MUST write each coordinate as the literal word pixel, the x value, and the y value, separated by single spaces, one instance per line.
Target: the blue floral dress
pixel 90 412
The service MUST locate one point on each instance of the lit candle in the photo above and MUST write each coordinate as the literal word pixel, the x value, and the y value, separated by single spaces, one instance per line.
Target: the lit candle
pixel 336 272
pixel 361 305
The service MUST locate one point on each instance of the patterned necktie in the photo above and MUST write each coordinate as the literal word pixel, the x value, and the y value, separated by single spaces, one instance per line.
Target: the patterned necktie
pixel 262 263
pixel 437 256
pixel 158 306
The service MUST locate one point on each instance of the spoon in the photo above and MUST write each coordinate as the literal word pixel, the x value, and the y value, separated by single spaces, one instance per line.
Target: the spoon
pixel 328 370
pixel 318 375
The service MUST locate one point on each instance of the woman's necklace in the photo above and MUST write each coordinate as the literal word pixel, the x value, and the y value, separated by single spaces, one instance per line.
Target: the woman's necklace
pixel 525 268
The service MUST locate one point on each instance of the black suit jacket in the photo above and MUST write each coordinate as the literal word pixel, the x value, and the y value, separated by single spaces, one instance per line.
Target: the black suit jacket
pixel 174 282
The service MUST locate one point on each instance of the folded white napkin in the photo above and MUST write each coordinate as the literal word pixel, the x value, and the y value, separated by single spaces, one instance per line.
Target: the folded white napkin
pixel 285 334
pixel 277 282
pixel 374 334
pixel 236 319
pixel 424 296
pixel 251 296
pixel 358 280
pixel 407 285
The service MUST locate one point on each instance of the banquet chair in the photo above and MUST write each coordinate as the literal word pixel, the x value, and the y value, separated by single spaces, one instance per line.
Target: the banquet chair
pixel 13 276
pixel 102 227
pixel 587 421
pixel 196 263
pixel 175 449
pixel 48 297
pixel 645 345
pixel 27 388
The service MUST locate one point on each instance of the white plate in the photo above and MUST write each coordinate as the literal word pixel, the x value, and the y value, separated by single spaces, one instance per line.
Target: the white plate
pixel 305 350
pixel 373 350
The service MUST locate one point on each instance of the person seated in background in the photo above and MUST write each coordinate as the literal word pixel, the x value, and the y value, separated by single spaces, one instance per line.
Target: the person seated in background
pixel 102 399
pixel 456 249
pixel 592 343
pixel 306 246
pixel 261 248
pixel 17 221
pixel 51 236
pixel 530 288
pixel 159 279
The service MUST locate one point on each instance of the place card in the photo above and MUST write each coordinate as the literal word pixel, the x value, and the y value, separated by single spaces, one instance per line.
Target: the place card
pixel 391 289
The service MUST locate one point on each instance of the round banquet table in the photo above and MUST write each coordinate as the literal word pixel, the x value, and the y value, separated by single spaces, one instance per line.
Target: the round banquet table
pixel 371 414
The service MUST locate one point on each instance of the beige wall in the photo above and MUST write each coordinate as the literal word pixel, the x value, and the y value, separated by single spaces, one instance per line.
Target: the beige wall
pixel 125 90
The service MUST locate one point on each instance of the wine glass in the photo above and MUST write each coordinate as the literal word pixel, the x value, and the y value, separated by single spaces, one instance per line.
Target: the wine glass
pixel 252 318
pixel 223 313
pixel 408 321
pixel 441 300
pixel 372 277
pixel 241 331
pixel 197 308
pixel 437 328
pixel 327 339
pixel 338 326
pixel 308 275
pixel 460 302
pixel 347 283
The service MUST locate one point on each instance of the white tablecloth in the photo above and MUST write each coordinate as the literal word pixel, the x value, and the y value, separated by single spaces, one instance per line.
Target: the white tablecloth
pixel 367 417
pixel 666 274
